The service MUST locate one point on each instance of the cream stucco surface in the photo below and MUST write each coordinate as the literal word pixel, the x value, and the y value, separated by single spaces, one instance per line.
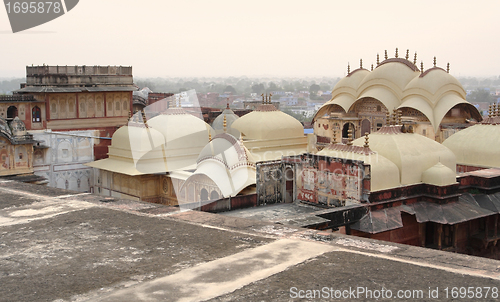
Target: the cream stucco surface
pixel 411 153
pixel 478 145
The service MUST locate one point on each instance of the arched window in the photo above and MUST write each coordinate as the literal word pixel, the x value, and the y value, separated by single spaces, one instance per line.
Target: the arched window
pixel 11 112
pixel 214 195
pixel 36 114
pixel 203 194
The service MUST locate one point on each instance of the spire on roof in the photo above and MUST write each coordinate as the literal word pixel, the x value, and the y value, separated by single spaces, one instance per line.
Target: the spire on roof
pixel 349 136
pixel 366 145
pixel 385 56
pixel 396 52
pixel 372 68
pixel 434 61
pixel 360 63
pixel 415 59
pixel 407 54
pixel 225 124
pixel 348 68
pixel 448 68
pixel 421 66
pixel 378 60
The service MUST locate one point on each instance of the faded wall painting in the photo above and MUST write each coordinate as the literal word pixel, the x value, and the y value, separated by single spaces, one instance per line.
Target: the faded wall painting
pixel 332 182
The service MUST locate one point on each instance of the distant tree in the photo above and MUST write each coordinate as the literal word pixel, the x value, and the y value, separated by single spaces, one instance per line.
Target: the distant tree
pixel 272 87
pixel 230 89
pixel 481 95
pixel 258 88
pixel 313 89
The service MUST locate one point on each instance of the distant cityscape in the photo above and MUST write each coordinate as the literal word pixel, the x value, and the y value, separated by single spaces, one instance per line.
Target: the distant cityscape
pixel 300 98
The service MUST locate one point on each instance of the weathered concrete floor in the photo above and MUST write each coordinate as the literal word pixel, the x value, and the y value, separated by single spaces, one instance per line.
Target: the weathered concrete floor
pixel 57 245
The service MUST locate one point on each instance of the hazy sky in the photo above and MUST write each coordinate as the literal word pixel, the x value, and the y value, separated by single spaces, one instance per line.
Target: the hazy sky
pixel 258 38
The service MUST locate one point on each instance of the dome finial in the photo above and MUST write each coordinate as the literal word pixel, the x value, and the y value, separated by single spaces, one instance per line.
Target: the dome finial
pixel 407 54
pixel 366 145
pixel 225 124
pixel 434 61
pixel 349 136
pixel 348 69
pixel 396 52
pixel 227 104
pixel 448 67
pixel 415 59
pixel 270 95
pixel 361 63
pixel 372 68
pixel 209 135
pixel 378 60
pixel 144 120
pixel 385 56
pixel 421 66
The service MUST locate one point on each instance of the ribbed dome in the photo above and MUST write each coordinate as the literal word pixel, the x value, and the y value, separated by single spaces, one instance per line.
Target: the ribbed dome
pixel 267 124
pixel 439 175
pixel 436 81
pixel 384 173
pixel 350 83
pixel 392 72
pixel 412 153
pixel 477 145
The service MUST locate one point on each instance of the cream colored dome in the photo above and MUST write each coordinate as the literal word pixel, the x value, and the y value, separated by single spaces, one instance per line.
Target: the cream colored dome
pixel 436 81
pixel 439 175
pixel 412 153
pixel 181 130
pixel 393 73
pixel 134 141
pixel 268 124
pixel 398 83
pixel 477 146
pixel 384 173
pixel 350 83
pixel 218 123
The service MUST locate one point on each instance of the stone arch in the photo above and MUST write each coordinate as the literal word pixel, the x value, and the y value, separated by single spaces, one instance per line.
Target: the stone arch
pixel 345 128
pixel 365 127
pixel 214 195
pixel 12 112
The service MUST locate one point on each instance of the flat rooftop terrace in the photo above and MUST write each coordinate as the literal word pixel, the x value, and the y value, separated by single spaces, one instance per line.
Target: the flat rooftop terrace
pixel 57 245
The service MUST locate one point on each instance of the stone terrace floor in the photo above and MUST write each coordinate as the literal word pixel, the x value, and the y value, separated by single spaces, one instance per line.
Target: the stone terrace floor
pixel 57 245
